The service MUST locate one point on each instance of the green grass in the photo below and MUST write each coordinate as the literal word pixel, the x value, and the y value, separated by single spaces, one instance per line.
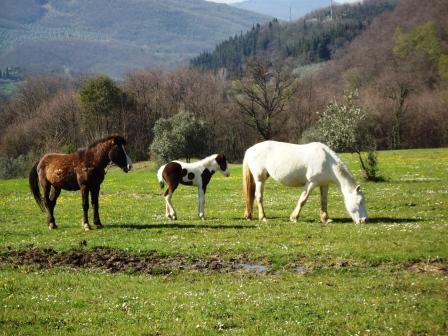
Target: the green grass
pixel 359 278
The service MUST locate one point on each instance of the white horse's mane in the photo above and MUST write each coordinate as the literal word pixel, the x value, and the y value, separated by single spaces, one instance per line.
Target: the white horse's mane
pixel 342 171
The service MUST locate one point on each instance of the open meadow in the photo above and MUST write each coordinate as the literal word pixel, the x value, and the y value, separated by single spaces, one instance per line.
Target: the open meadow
pixel 146 275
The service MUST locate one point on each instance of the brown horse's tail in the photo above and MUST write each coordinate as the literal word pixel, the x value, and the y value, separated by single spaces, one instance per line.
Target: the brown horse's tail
pixel 34 186
pixel 248 189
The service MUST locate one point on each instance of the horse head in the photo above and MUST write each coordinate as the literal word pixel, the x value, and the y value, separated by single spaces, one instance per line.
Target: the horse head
pixel 117 153
pixel 223 166
pixel 355 204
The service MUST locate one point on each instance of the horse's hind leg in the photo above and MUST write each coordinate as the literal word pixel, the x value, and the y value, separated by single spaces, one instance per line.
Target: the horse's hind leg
pixel 50 202
pixel 323 204
pixel 309 186
pixel 94 194
pixel 170 211
pixel 259 188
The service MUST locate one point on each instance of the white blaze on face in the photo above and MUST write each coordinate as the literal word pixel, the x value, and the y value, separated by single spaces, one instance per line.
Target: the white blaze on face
pixel 128 159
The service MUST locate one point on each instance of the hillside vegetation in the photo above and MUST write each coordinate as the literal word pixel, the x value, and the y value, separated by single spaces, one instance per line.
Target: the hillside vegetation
pixel 282 9
pixel 113 37
pixel 396 71
pixel 312 39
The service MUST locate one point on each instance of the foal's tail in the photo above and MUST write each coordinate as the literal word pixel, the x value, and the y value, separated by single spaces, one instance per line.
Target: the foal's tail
pixel 248 189
pixel 160 177
pixel 34 186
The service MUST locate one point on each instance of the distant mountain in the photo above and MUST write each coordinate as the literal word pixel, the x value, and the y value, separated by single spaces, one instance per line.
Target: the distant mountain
pixel 281 9
pixel 113 36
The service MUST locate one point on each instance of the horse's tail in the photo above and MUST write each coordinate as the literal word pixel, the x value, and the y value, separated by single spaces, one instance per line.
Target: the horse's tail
pixel 34 186
pixel 160 177
pixel 248 189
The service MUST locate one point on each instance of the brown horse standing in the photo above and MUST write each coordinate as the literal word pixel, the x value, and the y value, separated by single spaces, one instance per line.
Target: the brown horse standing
pixel 83 170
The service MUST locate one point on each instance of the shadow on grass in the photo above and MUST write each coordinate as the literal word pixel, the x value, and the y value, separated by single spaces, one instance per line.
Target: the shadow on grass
pixel 178 226
pixel 380 220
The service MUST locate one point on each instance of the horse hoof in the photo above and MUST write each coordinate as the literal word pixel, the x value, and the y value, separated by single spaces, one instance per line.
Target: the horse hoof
pixel 293 219
pixel 86 227
pixel 264 220
pixel 52 226
pixel 328 221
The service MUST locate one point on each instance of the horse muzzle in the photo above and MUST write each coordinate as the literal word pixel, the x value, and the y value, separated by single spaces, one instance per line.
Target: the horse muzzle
pixel 127 168
pixel 363 220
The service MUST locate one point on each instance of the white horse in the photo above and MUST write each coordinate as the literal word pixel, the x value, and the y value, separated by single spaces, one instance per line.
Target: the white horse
pixel 309 165
pixel 197 173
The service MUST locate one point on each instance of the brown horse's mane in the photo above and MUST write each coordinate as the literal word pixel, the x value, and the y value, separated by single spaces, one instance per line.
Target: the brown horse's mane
pixel 119 140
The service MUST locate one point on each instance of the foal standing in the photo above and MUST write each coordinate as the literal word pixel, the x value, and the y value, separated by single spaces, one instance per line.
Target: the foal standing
pixel 197 173
pixel 83 170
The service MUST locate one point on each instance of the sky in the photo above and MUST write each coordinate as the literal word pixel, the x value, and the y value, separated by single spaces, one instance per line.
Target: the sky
pixel 233 1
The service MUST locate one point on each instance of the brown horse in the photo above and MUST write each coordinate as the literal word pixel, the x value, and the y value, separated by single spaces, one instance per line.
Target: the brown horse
pixel 83 170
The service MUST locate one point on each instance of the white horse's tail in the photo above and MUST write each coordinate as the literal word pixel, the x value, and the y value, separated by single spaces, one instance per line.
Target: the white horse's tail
pixel 248 189
pixel 160 177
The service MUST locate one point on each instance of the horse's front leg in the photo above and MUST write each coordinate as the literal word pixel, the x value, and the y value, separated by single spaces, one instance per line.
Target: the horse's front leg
pixel 85 208
pixel 201 203
pixel 309 186
pixel 259 188
pixel 324 218
pixel 94 194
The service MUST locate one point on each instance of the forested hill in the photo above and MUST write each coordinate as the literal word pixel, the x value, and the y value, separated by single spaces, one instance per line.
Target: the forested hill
pixel 311 39
pixel 113 36
pixel 282 9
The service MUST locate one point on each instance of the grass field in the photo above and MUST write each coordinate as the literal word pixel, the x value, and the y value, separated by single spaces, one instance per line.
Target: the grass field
pixel 145 275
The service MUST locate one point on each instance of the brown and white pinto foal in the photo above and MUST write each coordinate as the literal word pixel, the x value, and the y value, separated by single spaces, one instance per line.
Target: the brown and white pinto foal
pixel 197 173
pixel 83 170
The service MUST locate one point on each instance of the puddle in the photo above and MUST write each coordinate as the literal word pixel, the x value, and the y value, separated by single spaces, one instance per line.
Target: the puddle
pixel 299 269
pixel 251 267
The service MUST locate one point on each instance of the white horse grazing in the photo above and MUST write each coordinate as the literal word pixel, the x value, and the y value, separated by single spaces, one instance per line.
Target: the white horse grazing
pixel 309 165
pixel 197 173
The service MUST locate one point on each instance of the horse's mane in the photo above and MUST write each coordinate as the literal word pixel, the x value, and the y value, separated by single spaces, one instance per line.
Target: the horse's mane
pixel 118 139
pixel 341 168
pixel 209 158
pixel 343 171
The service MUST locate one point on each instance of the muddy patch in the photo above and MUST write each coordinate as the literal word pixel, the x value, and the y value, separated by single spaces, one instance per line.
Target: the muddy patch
pixel 114 261
pixel 429 267
pixel 119 261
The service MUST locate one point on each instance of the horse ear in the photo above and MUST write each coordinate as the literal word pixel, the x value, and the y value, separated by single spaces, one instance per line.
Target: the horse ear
pixel 358 188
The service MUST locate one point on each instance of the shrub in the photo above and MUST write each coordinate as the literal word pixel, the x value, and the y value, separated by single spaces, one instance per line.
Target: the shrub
pixel 181 136
pixel 343 127
pixel 13 167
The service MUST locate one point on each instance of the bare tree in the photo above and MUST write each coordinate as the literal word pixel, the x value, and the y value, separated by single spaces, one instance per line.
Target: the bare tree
pixel 262 97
